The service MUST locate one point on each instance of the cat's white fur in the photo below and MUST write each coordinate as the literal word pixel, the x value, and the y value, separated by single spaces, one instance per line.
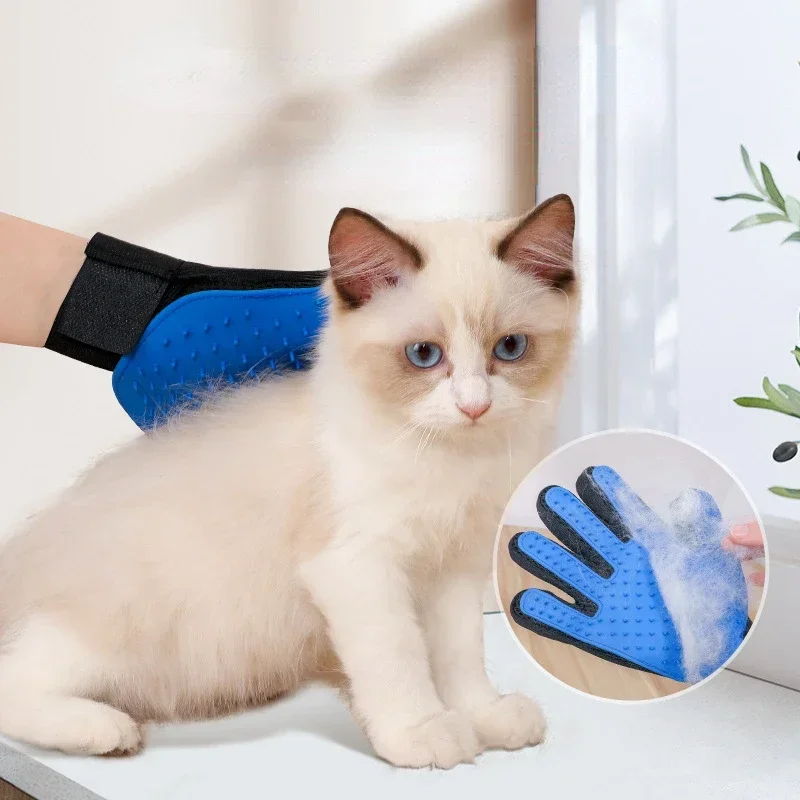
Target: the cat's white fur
pixel 314 524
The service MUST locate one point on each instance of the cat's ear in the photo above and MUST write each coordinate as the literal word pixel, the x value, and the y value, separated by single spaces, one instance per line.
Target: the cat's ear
pixel 541 243
pixel 367 256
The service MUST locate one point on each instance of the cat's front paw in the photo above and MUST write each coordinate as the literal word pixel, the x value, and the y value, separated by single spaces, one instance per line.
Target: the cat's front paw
pixel 509 723
pixel 444 741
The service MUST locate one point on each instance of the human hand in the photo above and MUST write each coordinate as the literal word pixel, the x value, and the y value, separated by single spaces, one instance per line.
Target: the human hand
pixel 747 541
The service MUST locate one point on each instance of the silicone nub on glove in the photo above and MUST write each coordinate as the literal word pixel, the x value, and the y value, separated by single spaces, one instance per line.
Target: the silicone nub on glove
pixel 619 612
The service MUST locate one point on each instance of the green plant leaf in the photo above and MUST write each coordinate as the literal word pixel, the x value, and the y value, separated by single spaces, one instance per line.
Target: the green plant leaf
pixel 755 402
pixel 793 210
pixel 772 189
pixel 792 237
pixel 782 491
pixel 758 219
pixel 780 400
pixel 790 392
pixel 740 196
pixel 748 165
pixel 796 353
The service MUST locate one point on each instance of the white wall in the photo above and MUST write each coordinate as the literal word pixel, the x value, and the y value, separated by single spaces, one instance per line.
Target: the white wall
pixel 231 132
pixel 738 81
pixel 607 134
pixel 559 152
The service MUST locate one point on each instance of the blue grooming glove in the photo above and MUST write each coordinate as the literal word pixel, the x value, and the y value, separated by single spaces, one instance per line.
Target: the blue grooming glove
pixel 215 336
pixel 170 328
pixel 620 613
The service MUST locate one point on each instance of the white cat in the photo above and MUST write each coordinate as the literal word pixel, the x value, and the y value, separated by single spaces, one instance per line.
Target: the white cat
pixel 338 521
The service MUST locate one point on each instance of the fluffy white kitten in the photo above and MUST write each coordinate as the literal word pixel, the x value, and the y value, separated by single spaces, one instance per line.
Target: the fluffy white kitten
pixel 337 521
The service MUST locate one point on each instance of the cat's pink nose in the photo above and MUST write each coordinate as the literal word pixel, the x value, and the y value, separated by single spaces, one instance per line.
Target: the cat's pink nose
pixel 475 410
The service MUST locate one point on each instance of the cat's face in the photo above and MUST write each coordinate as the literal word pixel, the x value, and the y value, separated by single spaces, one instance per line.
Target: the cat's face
pixel 454 327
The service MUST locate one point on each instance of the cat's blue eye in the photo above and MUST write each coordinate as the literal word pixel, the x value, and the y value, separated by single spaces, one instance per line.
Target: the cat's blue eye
pixel 424 354
pixel 511 347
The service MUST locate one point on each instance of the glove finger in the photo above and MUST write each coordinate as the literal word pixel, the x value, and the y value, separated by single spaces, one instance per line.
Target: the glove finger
pixel 618 506
pixel 579 529
pixel 553 563
pixel 536 609
pixel 546 615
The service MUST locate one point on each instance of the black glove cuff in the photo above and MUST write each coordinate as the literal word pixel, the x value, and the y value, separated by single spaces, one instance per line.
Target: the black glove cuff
pixel 122 286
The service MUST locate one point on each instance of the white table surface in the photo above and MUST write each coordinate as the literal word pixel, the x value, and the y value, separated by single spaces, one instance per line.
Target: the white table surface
pixel 735 737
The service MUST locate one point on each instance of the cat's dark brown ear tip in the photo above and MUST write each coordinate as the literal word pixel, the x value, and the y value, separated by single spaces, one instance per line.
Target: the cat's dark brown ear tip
pixel 348 211
pixel 559 198
pixel 341 217
pixel 560 210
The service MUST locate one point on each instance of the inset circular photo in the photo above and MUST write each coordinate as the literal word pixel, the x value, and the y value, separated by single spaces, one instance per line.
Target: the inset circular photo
pixel 619 566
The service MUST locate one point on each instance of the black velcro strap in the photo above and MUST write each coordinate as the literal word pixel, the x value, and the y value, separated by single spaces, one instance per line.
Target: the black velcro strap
pixel 111 301
pixel 121 287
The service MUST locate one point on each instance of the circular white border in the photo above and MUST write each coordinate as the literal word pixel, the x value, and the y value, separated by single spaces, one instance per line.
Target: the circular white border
pixel 554 455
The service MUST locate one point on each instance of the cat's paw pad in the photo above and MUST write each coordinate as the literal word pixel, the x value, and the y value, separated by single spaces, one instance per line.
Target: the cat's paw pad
pixel 443 741
pixel 510 722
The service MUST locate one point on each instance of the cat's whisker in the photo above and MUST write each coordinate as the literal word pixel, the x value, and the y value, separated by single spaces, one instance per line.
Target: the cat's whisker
pixel 567 310
pixel 535 400
pixel 422 440
pixel 408 425
pixel 429 439
pixel 419 445
pixel 433 438
pixel 405 431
